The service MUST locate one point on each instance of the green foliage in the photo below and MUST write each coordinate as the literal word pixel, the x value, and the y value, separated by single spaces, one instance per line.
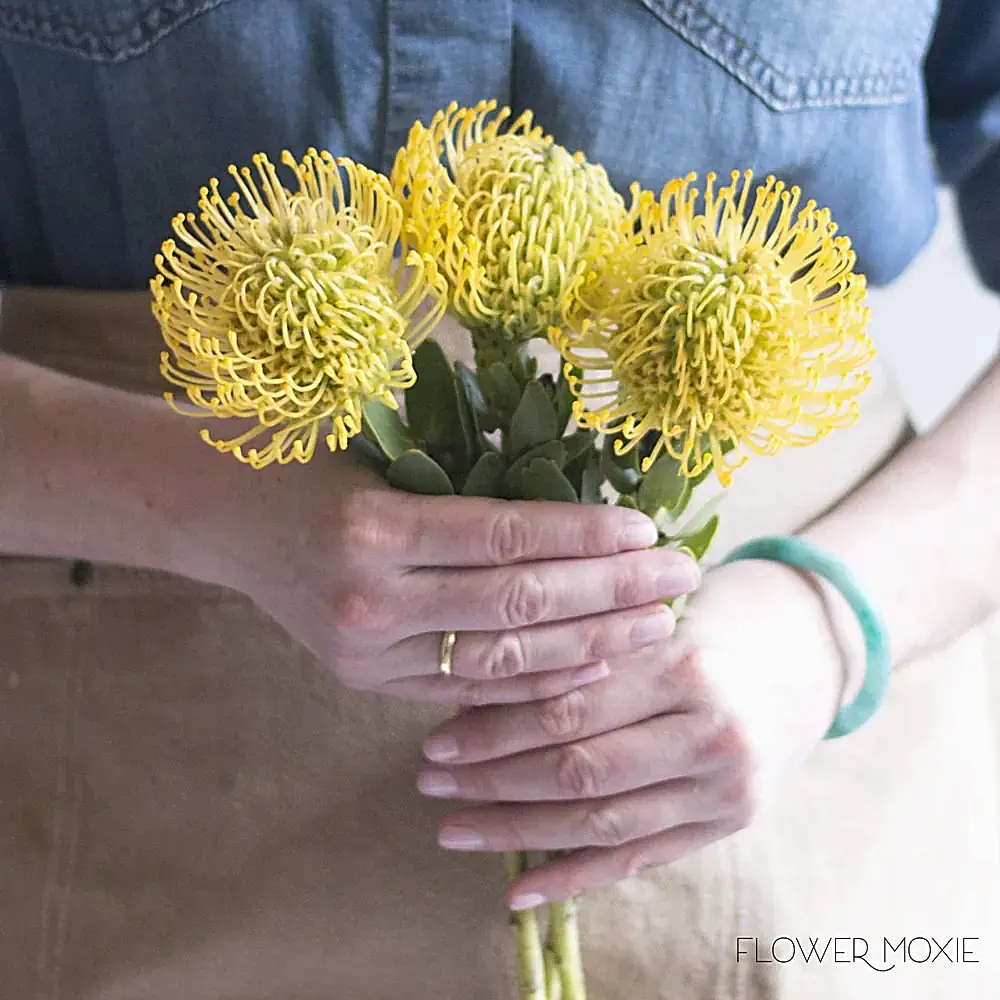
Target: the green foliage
pixel 383 427
pixel 621 471
pixel 487 477
pixel 434 411
pixel 502 394
pixel 590 480
pixel 363 450
pixel 533 422
pixel 698 543
pixel 664 488
pixel 540 479
pixel 563 400
pixel 554 451
pixel 417 472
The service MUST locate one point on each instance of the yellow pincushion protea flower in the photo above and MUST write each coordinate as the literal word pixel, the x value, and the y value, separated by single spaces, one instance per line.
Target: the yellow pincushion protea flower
pixel 506 213
pixel 291 311
pixel 707 329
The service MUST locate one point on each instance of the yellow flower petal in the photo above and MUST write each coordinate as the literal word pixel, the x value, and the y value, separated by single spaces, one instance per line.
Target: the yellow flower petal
pixel 288 307
pixel 717 321
pixel 505 213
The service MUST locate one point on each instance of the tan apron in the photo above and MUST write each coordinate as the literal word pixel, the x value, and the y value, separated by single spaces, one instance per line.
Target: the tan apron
pixel 192 809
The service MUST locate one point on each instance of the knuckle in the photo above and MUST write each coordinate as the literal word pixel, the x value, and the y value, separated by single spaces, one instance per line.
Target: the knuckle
pixel 473 694
pixel 603 639
pixel 630 589
pixel 579 773
pixel 357 611
pixel 504 657
pixel 605 826
pixel 563 718
pixel 509 537
pixel 740 800
pixel 726 745
pixel 365 532
pixel 686 672
pixel 523 600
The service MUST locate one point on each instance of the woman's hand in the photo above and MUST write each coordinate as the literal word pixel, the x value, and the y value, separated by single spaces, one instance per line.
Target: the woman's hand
pixel 670 752
pixel 540 594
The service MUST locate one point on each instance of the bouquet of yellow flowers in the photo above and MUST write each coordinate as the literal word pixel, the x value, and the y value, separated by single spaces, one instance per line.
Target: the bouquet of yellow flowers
pixel 694 326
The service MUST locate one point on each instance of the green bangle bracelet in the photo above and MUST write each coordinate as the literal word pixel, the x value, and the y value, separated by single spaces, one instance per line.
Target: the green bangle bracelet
pixel 803 555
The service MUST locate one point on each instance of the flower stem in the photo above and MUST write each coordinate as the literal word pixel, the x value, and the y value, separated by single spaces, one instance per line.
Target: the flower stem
pixel 564 943
pixel 531 967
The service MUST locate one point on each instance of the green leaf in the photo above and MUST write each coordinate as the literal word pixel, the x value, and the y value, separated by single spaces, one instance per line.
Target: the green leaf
pixel 469 418
pixel 554 451
pixel 416 472
pixel 698 543
pixel 542 480
pixel 432 405
pixel 534 420
pixel 384 428
pixel 469 386
pixel 590 482
pixel 577 443
pixel 622 471
pixel 501 390
pixel 563 398
pixel 486 478
pixel 701 517
pixel 627 501
pixel 367 453
pixel 664 487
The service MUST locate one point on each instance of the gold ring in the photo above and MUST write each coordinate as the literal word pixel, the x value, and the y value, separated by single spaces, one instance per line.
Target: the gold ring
pixel 447 648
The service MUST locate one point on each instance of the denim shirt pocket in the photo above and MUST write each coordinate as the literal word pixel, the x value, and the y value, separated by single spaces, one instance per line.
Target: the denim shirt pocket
pixel 794 55
pixel 107 31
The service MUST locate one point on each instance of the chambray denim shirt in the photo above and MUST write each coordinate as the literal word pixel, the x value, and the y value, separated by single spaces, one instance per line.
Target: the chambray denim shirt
pixel 114 112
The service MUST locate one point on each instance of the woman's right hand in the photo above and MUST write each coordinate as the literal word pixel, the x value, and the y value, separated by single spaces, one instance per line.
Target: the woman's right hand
pixel 539 594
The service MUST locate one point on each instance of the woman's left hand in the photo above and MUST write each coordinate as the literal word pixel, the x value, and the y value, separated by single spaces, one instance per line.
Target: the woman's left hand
pixel 670 752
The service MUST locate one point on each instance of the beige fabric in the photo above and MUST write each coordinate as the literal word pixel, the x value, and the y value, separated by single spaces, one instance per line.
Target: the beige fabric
pixel 191 809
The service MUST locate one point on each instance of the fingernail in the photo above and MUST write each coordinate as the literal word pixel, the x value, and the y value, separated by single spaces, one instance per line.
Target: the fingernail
pixel 591 672
pixel 678 578
pixel 439 783
pixel 441 748
pixel 460 838
pixel 638 532
pixel 651 628
pixel 527 902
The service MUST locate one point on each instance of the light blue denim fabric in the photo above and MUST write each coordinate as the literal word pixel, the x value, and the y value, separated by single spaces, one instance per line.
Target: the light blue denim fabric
pixel 113 112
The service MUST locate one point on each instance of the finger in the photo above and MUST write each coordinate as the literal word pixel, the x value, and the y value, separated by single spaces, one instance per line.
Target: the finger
pixel 597 868
pixel 529 687
pixel 669 746
pixel 470 531
pixel 656 681
pixel 520 596
pixel 610 822
pixel 495 656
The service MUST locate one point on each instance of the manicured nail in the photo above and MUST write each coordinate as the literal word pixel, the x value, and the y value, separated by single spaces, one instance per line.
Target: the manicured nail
pixel 651 628
pixel 460 838
pixel 678 577
pixel 437 783
pixel 638 533
pixel 591 672
pixel 527 902
pixel 441 748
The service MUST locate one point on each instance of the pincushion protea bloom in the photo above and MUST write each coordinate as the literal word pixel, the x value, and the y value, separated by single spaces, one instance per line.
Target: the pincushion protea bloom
pixel 712 329
pixel 291 311
pixel 506 213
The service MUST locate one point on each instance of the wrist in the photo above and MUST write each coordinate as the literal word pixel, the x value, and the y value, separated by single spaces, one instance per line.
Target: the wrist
pixel 799 667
